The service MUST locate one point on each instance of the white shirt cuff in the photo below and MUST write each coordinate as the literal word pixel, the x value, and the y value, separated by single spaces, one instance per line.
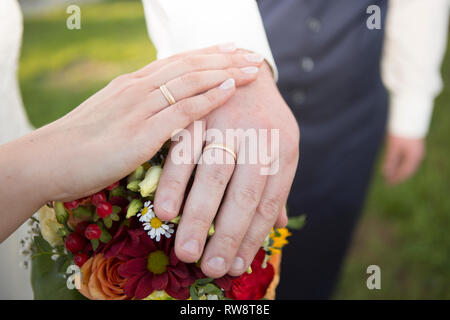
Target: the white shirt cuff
pixel 410 115
pixel 178 25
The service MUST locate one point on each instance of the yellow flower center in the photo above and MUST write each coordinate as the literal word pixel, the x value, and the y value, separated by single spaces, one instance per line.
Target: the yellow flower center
pixel 157 262
pixel 155 223
pixel 144 211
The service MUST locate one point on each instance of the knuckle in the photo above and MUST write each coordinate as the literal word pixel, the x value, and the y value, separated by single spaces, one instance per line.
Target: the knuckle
pixel 232 73
pixel 123 79
pixel 292 155
pixel 191 79
pixel 185 108
pixel 210 98
pixel 269 208
pixel 218 175
pixel 246 197
pixel 228 241
pixel 197 220
pixel 191 61
pixel 292 149
pixel 265 122
pixel 230 60
pixel 252 241
pixel 172 184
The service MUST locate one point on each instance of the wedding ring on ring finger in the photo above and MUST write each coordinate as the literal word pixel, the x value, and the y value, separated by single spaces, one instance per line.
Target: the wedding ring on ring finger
pixel 222 147
pixel 166 93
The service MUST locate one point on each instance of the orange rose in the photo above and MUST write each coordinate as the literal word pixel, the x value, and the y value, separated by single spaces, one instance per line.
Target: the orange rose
pixel 275 260
pixel 101 280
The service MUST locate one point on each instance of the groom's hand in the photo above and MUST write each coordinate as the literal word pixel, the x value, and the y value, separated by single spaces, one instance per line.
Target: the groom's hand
pixel 253 203
pixel 403 158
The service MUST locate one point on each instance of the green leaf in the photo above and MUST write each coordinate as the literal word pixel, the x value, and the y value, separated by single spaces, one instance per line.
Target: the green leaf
pixel 108 222
pixel 277 233
pixel 82 212
pixel 194 293
pixel 116 210
pixel 117 192
pixel 296 222
pixel 114 217
pixel 134 207
pixel 62 232
pixel 211 289
pixel 203 281
pixel 94 243
pixel 137 174
pixel 62 263
pixel 48 280
pixel 60 212
pixel 134 186
pixel 42 244
pixel 105 237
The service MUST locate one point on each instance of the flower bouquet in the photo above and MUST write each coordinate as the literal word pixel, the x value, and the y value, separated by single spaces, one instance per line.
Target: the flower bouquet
pixel 112 246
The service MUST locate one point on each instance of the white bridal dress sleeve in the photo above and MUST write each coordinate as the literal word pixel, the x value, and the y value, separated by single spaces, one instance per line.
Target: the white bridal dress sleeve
pixel 14 280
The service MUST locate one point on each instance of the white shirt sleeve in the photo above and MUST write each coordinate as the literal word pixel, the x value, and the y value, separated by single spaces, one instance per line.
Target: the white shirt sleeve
pixel 180 25
pixel 416 36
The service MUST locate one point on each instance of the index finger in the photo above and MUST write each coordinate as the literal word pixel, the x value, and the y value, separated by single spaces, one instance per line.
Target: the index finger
pixel 155 65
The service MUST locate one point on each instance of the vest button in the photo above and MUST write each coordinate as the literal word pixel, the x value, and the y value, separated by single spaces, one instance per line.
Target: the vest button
pixel 314 24
pixel 298 97
pixel 307 64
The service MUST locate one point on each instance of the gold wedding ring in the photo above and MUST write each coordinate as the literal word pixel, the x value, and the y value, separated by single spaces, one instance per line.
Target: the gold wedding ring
pixel 166 93
pixel 223 147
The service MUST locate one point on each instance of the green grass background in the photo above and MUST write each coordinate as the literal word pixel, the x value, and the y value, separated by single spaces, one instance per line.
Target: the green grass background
pixel 405 230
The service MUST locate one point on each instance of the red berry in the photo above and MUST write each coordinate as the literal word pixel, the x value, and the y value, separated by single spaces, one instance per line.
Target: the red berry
pixel 71 204
pixel 80 259
pixel 75 242
pixel 98 198
pixel 113 186
pixel 81 227
pixel 104 209
pixel 93 232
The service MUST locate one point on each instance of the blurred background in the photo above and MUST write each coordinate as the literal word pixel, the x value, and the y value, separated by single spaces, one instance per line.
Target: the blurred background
pixel 405 230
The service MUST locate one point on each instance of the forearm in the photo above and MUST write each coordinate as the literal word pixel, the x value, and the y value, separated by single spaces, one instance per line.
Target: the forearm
pixel 21 182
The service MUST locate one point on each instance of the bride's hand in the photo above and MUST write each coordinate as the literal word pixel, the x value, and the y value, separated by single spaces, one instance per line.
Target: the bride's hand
pixel 121 126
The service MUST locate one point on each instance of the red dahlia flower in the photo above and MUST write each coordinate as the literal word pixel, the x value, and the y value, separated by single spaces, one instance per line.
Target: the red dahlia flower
pixel 252 286
pixel 149 265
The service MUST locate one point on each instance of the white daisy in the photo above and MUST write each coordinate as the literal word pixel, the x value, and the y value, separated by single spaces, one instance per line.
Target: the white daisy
pixel 144 214
pixel 155 226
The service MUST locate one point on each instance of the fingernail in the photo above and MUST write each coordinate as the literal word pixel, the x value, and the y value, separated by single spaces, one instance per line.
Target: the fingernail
pixel 238 264
pixel 227 47
pixel 254 57
pixel 191 246
pixel 217 264
pixel 168 206
pixel 250 70
pixel 227 84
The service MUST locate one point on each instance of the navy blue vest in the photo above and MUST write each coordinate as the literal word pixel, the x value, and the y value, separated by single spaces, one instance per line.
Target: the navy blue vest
pixel 329 66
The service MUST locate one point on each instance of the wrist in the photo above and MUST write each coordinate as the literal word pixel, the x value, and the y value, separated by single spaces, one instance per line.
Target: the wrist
pixel 34 163
pixel 21 179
